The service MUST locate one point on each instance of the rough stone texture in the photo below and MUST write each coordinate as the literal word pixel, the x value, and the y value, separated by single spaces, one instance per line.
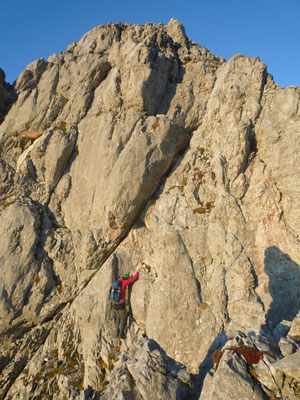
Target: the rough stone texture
pixel 295 328
pixel 275 135
pixel 137 146
pixel 237 376
pixel 232 381
pixel 290 365
pixel 19 236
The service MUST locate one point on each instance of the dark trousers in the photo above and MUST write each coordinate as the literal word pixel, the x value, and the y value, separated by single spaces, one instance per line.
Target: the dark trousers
pixel 120 316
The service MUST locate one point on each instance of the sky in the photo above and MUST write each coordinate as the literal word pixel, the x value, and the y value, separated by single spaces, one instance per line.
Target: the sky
pixel 31 29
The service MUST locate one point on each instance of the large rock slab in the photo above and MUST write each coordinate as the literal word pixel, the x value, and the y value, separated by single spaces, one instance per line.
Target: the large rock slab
pixel 127 156
pixel 19 233
pixel 278 131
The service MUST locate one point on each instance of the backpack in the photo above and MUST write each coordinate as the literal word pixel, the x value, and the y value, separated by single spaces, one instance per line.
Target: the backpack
pixel 115 291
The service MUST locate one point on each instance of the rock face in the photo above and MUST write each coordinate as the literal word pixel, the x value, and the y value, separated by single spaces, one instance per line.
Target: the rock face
pixel 7 95
pixel 137 146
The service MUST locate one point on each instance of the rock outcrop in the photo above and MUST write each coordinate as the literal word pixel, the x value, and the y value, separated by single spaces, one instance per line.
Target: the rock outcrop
pixel 7 96
pixel 137 146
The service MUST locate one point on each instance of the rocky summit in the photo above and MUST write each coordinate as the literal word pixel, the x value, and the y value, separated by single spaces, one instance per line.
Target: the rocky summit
pixel 137 147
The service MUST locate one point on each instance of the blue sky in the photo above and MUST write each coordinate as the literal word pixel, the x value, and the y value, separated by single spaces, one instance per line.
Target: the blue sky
pixel 31 29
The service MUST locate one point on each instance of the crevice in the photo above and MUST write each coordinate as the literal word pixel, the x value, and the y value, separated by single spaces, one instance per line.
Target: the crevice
pixel 275 383
pixel 95 79
pixel 226 296
pixel 182 244
pixel 252 271
pixel 262 88
pixel 122 145
pixel 56 313
pixel 250 152
pixel 239 206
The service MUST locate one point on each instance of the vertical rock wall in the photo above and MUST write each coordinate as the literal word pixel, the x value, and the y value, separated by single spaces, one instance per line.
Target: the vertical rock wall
pixel 136 146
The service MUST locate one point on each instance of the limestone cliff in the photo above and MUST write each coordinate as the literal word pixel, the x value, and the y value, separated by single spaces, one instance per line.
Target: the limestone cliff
pixel 137 146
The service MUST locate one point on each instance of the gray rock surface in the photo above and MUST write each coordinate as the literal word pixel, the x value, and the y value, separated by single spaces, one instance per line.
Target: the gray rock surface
pixel 232 381
pixel 238 375
pixel 138 147
pixel 19 238
pixel 295 328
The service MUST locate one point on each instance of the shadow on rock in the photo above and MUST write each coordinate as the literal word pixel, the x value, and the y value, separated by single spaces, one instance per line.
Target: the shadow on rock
pixel 284 286
pixel 208 363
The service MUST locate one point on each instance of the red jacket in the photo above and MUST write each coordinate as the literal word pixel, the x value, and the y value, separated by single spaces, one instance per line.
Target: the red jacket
pixel 125 283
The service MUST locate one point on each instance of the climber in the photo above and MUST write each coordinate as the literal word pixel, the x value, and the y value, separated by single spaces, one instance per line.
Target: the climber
pixel 119 303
